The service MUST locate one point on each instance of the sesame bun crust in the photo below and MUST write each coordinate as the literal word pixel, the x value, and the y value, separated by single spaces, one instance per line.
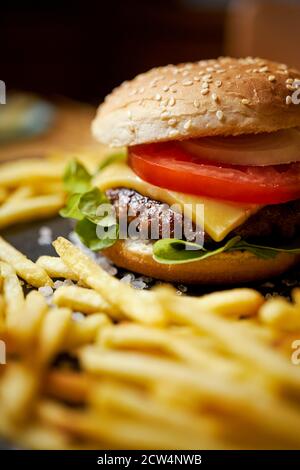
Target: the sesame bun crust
pixel 225 96
pixel 226 268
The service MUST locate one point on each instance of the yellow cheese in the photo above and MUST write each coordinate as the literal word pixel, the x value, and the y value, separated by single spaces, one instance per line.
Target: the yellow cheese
pixel 220 217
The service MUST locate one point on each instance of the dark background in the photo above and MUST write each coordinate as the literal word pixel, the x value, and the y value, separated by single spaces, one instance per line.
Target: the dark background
pixel 82 49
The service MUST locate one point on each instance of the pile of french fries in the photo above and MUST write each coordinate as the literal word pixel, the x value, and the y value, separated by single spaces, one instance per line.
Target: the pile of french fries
pixel 33 189
pixel 103 365
pixel 30 190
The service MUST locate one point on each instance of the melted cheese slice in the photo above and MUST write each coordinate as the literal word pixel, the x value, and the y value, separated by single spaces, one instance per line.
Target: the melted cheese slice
pixel 219 218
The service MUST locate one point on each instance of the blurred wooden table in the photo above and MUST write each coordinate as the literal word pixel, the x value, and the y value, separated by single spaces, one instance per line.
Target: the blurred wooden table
pixel 70 131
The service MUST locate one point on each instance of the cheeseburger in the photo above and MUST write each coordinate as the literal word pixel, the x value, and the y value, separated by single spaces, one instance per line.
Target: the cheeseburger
pixel 219 134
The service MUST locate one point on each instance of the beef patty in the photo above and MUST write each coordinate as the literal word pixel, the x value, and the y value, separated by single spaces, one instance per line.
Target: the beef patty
pixel 279 221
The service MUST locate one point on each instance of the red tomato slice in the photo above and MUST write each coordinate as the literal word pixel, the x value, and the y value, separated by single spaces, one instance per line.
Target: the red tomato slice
pixel 168 166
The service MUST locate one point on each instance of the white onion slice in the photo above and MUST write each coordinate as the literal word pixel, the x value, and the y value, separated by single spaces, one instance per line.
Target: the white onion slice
pixel 265 149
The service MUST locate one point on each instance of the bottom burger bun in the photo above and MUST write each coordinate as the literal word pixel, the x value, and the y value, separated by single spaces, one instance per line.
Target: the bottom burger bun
pixel 226 268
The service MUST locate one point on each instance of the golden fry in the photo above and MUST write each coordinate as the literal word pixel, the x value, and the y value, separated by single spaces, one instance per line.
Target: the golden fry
pixel 31 319
pixel 53 331
pixel 81 299
pixel 39 207
pixel 22 192
pixel 17 390
pixel 141 306
pixel 13 295
pixel 24 267
pixel 233 337
pixel 85 331
pixel 281 314
pixel 56 268
pixel 30 172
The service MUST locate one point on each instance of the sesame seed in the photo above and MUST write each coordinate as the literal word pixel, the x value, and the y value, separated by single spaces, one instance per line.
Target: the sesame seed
pixel 165 114
pixel 158 97
pixel 218 83
pixel 238 76
pixel 133 92
pixel 271 78
pixel 209 69
pixel 263 69
pixel 173 132
pixel 196 79
pixel 220 115
pixel 201 73
pixel 282 67
pixel 196 104
pixel 172 101
pixel 205 85
pixel 172 82
pixel 129 114
pixel 172 122
pixel 165 88
pixel 207 77
pixel 204 91
pixel 215 97
pixel 187 124
pixel 288 100
pixel 185 73
pixel 187 83
pixel 245 101
pixel 289 81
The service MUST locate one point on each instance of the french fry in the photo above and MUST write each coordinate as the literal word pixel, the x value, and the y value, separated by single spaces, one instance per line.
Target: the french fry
pixel 139 404
pixel 37 436
pixel 27 328
pixel 141 306
pixel 232 336
pixel 28 171
pixel 81 299
pixel 56 268
pixel 67 385
pixel 296 296
pixel 234 303
pixel 17 390
pixel 25 268
pixel 13 295
pixel 39 207
pixel 127 335
pixel 49 187
pixel 3 194
pixel 2 311
pixel 22 192
pixel 223 396
pixel 52 333
pixel 281 314
pixel 115 430
pixel 85 331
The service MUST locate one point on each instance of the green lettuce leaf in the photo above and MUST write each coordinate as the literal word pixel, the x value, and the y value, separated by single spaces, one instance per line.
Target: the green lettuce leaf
pixel 71 210
pixel 173 251
pixel 76 178
pixel 89 204
pixel 87 232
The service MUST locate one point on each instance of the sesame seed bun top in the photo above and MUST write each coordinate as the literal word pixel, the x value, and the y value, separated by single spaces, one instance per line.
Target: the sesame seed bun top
pixel 225 96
